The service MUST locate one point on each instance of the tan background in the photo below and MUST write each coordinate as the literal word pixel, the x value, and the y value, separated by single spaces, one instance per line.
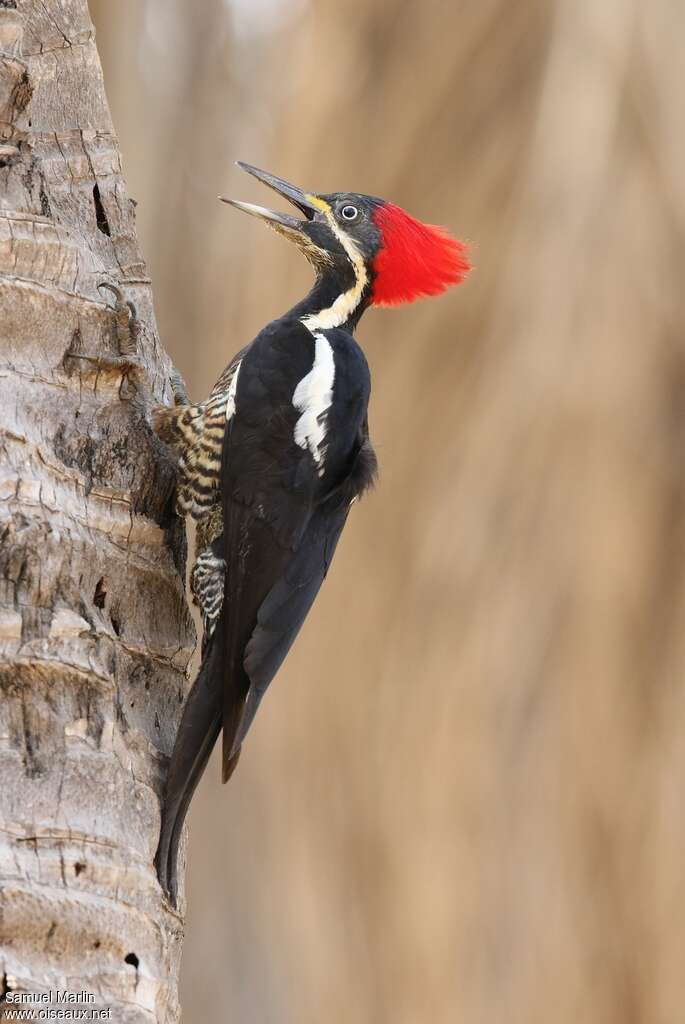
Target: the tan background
pixel 462 799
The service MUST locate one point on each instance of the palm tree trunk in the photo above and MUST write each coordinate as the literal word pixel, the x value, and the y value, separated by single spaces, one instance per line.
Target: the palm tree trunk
pixel 95 633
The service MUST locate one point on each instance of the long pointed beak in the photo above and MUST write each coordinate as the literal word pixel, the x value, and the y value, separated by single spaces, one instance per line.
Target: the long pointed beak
pixel 275 218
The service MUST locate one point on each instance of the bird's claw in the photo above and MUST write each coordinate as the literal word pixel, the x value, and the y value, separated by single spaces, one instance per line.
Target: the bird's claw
pixel 127 324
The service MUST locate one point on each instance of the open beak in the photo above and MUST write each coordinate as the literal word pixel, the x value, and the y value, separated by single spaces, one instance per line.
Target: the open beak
pixel 284 223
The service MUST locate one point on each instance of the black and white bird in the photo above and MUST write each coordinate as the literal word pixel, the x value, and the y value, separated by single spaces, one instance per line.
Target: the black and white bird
pixel 270 464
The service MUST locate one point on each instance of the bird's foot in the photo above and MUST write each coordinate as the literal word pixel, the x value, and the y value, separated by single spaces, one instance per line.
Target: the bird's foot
pixel 126 323
pixel 127 332
pixel 122 365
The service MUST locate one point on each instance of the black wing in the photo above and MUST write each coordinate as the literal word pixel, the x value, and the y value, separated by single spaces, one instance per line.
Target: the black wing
pixel 281 614
pixel 284 608
pixel 287 604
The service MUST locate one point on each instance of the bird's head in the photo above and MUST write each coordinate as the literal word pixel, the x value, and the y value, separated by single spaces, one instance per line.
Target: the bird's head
pixel 366 251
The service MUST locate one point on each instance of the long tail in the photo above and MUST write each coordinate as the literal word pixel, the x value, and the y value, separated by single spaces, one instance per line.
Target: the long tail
pixel 198 732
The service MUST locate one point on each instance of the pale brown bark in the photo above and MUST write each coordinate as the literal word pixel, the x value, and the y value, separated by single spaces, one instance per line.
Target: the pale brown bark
pixel 95 633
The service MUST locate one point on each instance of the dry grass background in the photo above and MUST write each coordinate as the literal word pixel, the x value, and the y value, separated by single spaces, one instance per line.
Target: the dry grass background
pixel 462 800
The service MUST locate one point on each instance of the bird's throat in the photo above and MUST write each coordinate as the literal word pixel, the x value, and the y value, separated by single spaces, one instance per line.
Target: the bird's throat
pixel 336 300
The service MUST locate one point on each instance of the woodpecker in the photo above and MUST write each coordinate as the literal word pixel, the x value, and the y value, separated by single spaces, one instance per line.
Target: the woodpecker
pixel 270 464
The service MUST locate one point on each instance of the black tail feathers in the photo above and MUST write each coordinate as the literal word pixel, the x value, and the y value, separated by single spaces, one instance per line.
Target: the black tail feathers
pixel 198 732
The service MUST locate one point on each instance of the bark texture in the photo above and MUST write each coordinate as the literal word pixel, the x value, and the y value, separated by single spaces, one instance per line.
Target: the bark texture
pixel 95 633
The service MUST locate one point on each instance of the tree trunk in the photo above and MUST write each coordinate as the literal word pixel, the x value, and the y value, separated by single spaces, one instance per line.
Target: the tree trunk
pixel 95 633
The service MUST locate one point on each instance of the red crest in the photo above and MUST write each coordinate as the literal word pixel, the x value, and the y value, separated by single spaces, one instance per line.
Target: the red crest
pixel 415 259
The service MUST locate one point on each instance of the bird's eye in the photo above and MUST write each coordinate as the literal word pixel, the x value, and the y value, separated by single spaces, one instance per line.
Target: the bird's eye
pixel 349 212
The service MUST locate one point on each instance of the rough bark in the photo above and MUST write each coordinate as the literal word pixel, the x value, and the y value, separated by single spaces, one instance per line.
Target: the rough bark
pixel 95 633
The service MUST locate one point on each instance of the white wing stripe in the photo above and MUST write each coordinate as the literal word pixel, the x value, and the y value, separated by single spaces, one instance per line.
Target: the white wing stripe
pixel 230 400
pixel 313 397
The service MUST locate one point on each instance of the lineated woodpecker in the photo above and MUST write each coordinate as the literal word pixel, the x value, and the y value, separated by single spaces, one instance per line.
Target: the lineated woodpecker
pixel 270 464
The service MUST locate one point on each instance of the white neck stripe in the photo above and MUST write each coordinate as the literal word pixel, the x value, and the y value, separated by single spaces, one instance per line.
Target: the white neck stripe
pixel 345 304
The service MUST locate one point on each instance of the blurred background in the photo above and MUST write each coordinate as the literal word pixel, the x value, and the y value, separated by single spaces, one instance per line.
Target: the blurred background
pixel 462 799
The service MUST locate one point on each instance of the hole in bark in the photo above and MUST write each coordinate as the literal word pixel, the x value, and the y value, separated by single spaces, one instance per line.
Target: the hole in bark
pixel 100 215
pixel 100 593
pixel 97 944
pixel 44 203
pixel 116 623
pixel 79 866
pixel 132 959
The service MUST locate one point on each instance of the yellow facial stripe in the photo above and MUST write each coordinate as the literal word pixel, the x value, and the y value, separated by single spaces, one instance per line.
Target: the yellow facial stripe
pixel 327 211
pixel 321 204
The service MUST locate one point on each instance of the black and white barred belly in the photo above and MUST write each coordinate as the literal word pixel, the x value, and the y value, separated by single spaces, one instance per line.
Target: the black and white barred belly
pixel 201 429
pixel 195 434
